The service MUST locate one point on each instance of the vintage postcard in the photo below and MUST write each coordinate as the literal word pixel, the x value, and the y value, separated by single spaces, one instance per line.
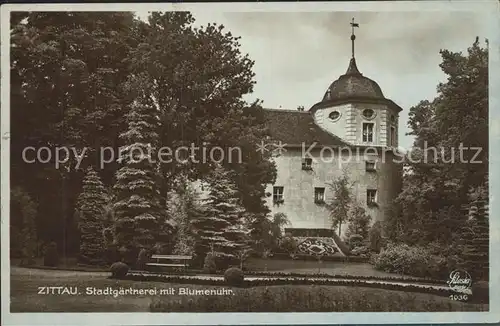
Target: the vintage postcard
pixel 204 163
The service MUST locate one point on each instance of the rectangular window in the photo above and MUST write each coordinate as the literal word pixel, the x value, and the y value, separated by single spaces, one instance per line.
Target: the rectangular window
pixel 319 195
pixel 393 136
pixel 370 166
pixel 371 197
pixel 278 194
pixel 307 164
pixel 368 132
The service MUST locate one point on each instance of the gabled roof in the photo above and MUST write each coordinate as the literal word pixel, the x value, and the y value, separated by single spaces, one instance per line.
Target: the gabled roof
pixel 298 127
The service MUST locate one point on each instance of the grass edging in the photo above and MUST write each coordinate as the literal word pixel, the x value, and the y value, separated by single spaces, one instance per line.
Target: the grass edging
pixel 68 269
pixel 403 279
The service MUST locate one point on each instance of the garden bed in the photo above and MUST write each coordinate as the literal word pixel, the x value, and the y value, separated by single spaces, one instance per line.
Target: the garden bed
pixel 332 258
pixel 254 281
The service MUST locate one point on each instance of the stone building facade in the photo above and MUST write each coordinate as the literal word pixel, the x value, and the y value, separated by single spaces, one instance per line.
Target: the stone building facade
pixel 352 130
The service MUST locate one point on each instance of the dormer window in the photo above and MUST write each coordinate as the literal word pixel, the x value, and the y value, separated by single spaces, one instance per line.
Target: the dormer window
pixel 328 94
pixel 393 119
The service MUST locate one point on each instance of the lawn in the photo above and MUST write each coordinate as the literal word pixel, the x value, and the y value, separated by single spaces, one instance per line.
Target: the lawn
pixel 312 267
pixel 277 265
pixel 26 282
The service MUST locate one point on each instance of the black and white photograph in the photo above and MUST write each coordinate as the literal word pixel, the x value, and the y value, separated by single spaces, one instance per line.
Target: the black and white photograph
pixel 197 159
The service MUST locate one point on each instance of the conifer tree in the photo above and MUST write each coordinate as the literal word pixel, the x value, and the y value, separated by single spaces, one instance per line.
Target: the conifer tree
pixel 183 205
pixel 359 222
pixel 91 208
pixel 220 227
pixel 140 217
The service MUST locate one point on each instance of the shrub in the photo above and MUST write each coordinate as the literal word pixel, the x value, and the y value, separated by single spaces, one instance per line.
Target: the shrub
pixel 51 257
pixel 288 244
pixel 119 270
pixel 127 255
pixel 234 276
pixel 355 240
pixel 112 254
pixel 361 251
pixel 142 259
pixel 375 237
pixel 310 299
pixel 416 261
pixel 209 265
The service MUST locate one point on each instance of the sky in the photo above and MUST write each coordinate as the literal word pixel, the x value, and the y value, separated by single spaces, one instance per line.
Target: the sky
pixel 299 54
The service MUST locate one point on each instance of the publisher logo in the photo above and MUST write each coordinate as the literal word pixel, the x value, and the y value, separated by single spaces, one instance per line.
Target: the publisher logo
pixel 459 280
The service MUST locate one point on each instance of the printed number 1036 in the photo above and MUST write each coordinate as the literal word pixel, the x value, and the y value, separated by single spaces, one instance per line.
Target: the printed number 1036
pixel 459 297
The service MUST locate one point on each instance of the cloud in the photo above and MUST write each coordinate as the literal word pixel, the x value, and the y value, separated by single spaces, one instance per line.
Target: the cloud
pixel 298 54
pixel 394 41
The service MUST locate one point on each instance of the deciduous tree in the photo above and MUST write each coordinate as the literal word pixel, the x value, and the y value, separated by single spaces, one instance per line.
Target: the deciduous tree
pixel 341 202
pixel 450 153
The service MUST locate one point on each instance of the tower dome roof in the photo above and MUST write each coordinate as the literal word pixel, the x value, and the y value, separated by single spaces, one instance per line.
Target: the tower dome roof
pixel 353 84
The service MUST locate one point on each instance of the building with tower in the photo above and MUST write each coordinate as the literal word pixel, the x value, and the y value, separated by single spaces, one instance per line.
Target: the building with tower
pixel 353 130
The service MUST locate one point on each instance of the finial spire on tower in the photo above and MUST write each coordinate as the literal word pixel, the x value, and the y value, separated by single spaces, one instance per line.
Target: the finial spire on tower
pixel 353 37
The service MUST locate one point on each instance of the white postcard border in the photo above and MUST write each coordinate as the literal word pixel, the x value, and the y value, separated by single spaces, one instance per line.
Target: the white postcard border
pixel 490 10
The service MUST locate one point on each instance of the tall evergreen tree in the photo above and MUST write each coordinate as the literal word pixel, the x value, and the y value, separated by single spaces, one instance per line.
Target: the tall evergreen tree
pixel 359 222
pixel 221 227
pixel 140 217
pixel 91 207
pixel 183 206
pixel 197 75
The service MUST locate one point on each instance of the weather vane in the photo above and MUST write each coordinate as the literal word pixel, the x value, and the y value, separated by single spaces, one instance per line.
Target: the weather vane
pixel 353 37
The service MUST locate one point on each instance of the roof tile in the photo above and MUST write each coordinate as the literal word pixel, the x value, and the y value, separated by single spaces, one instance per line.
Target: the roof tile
pixel 297 128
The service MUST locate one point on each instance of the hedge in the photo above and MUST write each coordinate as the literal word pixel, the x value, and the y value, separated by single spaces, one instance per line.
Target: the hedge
pixel 310 299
